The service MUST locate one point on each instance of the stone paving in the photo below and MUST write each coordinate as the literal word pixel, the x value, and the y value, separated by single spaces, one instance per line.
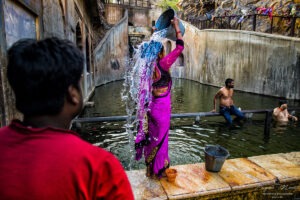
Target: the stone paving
pixel 258 177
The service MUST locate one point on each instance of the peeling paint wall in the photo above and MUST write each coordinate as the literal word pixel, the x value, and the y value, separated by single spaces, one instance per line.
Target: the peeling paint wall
pixel 259 63
pixel 19 19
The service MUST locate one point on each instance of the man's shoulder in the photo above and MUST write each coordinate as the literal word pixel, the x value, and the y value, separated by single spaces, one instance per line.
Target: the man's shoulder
pixel 78 143
pixel 226 90
pixel 6 131
pixel 221 90
pixel 3 129
pixel 76 147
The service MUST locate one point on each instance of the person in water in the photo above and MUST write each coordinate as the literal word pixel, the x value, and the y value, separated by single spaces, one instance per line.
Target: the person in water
pixel 41 158
pixel 157 134
pixel 227 108
pixel 281 114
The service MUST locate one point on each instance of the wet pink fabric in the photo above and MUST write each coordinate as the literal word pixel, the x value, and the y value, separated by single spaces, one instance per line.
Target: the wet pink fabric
pixel 156 151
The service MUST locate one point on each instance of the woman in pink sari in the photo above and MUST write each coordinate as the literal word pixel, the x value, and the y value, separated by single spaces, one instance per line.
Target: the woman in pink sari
pixel 155 143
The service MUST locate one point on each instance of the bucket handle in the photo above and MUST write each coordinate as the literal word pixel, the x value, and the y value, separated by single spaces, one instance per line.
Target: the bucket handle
pixel 218 146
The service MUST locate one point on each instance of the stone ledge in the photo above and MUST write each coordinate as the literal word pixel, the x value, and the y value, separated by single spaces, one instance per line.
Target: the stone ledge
pixel 250 178
pixel 144 187
pixel 277 164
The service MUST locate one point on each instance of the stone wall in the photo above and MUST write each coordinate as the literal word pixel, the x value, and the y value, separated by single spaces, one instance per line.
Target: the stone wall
pixel 259 63
pixel 55 10
pixel 60 18
pixel 112 53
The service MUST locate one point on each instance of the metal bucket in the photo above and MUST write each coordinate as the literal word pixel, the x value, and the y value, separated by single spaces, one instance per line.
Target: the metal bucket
pixel 215 156
pixel 164 21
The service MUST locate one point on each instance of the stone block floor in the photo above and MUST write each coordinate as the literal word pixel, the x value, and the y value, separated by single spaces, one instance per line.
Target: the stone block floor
pixel 275 176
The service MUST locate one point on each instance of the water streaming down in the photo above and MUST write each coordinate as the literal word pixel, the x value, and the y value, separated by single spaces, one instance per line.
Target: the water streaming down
pixel 137 93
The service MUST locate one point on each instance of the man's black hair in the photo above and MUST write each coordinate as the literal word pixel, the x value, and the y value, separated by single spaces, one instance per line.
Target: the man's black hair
pixel 40 73
pixel 227 81
pixel 282 101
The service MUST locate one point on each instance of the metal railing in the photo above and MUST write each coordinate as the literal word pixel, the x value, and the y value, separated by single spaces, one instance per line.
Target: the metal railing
pixel 283 25
pixel 197 116
pixel 131 3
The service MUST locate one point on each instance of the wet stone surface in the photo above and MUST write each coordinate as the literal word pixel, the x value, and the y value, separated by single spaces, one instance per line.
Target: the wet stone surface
pixel 259 177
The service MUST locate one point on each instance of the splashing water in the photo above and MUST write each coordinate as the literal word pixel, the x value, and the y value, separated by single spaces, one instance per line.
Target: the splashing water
pixel 137 93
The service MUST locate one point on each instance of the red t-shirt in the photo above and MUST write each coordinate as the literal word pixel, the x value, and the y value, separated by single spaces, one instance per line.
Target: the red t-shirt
pixel 55 164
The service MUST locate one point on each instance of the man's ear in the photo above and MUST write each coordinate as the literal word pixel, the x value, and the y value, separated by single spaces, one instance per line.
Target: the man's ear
pixel 73 95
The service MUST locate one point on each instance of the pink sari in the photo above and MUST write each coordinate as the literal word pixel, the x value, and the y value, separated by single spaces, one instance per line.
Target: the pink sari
pixel 155 141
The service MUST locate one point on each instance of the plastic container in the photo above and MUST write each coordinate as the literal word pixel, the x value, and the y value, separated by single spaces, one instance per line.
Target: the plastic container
pixel 215 156
pixel 164 21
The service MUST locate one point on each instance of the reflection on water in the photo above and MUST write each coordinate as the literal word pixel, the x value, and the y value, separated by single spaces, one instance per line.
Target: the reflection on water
pixel 187 139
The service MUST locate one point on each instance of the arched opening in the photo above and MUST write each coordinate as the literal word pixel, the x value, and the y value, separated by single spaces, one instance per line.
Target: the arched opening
pixel 78 36
pixel 114 64
pixel 80 46
pixel 87 52
pixel 180 60
pixel 153 23
pixel 168 47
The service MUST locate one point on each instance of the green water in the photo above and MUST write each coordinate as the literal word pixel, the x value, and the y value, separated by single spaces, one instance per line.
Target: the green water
pixel 187 139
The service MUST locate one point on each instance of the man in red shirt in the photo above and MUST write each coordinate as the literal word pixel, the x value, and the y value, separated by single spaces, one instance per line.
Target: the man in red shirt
pixel 41 158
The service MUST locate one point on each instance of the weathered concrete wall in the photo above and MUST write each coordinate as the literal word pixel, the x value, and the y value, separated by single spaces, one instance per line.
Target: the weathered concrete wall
pixel 2 64
pixel 53 9
pixel 61 17
pixel 111 54
pixel 259 63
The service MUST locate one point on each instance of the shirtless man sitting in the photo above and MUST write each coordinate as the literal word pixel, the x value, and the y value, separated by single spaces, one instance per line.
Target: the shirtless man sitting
pixel 281 114
pixel 226 102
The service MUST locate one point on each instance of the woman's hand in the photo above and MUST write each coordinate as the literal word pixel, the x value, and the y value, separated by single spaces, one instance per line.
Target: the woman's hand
pixel 153 29
pixel 175 23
